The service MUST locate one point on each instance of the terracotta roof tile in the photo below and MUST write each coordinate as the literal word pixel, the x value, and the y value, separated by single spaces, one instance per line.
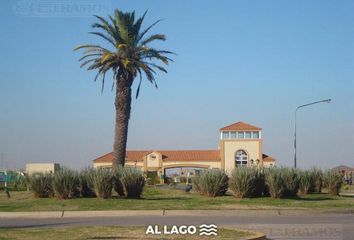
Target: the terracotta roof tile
pixel 343 168
pixel 173 155
pixel 241 126
pixel 267 158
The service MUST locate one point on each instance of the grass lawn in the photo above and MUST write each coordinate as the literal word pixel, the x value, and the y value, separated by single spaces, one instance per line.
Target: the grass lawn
pixel 170 199
pixel 76 233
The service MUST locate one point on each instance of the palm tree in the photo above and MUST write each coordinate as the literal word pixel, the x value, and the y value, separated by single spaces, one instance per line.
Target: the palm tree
pixel 129 56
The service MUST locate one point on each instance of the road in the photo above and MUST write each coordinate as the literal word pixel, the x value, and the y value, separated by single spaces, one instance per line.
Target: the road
pixel 330 226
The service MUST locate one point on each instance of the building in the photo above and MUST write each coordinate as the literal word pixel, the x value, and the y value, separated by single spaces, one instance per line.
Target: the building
pixel 344 170
pixel 240 145
pixel 41 168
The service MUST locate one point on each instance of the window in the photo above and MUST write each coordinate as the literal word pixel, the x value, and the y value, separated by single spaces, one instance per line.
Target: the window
pixel 225 135
pixel 248 135
pixel 152 157
pixel 241 158
pixel 255 134
pixel 240 135
pixel 233 135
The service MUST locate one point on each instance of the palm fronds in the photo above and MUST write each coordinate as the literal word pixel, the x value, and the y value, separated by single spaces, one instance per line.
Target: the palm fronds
pixel 129 54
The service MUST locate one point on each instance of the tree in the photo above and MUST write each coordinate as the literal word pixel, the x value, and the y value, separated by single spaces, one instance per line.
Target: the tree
pixel 130 56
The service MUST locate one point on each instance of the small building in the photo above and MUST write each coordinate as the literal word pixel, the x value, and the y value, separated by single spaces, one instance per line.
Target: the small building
pixel 41 168
pixel 240 145
pixel 344 170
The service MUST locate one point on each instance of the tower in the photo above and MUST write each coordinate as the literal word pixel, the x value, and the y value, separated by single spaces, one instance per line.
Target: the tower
pixel 240 146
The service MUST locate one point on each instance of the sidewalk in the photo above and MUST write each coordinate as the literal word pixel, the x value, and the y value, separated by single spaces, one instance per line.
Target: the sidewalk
pixel 132 213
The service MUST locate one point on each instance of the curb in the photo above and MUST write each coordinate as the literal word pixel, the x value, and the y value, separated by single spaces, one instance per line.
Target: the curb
pixel 260 237
pixel 255 234
pixel 54 214
pixel 119 213
pixel 135 213
pixel 81 214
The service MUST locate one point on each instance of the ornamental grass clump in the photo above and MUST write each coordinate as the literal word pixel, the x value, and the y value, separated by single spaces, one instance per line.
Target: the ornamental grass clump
pixel 317 177
pixel 131 181
pixel 85 183
pixel 41 184
pixel 274 182
pixel 246 182
pixel 306 182
pixel 65 183
pixel 291 180
pixel 211 182
pixel 332 182
pixel 102 182
pixel 117 184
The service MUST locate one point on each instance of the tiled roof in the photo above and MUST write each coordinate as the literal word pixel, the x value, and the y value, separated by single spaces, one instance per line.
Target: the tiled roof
pixel 241 126
pixel 343 168
pixel 267 158
pixel 173 155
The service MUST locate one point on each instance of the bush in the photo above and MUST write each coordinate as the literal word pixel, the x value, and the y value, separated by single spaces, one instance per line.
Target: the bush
pixel 85 184
pixel 291 181
pixel 65 183
pixel 132 181
pixel 211 182
pixel 274 182
pixel 306 182
pixel 117 185
pixel 332 181
pixel 41 184
pixel 282 182
pixel 152 178
pixel 20 182
pixel 246 182
pixel 317 176
pixel 102 182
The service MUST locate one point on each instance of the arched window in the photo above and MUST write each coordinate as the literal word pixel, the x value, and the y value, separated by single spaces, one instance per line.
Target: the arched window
pixel 241 158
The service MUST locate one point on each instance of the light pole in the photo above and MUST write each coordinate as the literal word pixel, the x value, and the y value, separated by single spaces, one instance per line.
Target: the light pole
pixel 305 105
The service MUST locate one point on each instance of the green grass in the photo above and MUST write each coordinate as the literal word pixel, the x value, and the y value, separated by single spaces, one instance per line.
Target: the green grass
pixel 170 199
pixel 76 233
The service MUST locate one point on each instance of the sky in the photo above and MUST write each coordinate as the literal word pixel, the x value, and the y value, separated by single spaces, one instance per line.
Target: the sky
pixel 251 61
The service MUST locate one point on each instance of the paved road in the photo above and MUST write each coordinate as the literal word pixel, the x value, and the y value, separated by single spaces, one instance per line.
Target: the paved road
pixel 331 226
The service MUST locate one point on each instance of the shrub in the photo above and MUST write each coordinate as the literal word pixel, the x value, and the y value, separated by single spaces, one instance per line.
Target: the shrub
pixel 317 177
pixel 20 182
pixel 41 184
pixel 211 182
pixel 102 182
pixel 246 182
pixel 132 181
pixel 65 183
pixel 152 178
pixel 291 181
pixel 306 182
pixel 274 182
pixel 117 185
pixel 85 184
pixel 332 181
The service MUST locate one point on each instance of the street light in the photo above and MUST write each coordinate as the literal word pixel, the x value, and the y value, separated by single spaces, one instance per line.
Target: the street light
pixel 305 105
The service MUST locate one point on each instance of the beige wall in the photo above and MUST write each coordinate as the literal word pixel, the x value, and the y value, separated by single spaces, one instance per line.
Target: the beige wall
pixel 209 164
pixel 153 167
pixel 268 164
pixel 154 163
pixel 252 147
pixel 108 164
pixel 41 168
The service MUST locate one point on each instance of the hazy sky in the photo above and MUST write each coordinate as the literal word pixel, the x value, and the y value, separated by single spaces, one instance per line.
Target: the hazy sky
pixel 252 61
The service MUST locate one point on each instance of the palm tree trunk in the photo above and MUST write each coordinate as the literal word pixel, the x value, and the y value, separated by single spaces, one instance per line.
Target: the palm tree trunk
pixel 123 106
